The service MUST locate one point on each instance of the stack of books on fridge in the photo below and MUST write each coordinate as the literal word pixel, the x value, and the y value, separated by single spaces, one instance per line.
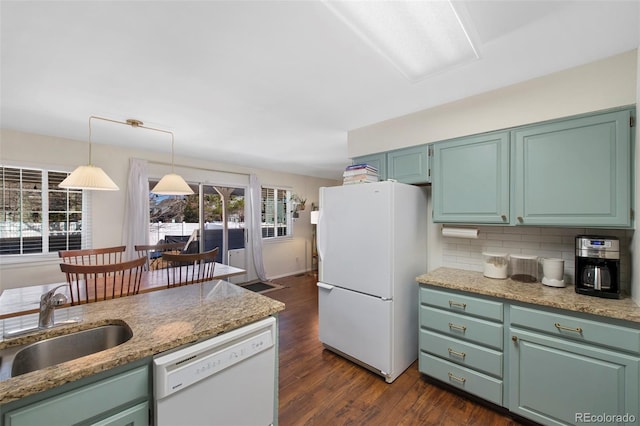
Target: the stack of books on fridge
pixel 359 173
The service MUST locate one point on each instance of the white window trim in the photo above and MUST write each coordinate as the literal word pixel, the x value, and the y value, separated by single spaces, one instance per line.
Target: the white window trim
pixel 17 260
pixel 289 214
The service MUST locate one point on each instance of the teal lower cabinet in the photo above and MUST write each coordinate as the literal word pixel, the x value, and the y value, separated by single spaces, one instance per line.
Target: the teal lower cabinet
pixel 552 366
pixel 122 399
pixel 461 341
pixel 558 382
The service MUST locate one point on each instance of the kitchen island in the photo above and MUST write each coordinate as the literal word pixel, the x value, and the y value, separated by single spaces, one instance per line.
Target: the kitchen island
pixel 160 321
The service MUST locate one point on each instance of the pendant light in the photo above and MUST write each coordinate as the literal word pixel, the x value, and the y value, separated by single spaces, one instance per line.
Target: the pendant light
pixel 172 183
pixel 89 177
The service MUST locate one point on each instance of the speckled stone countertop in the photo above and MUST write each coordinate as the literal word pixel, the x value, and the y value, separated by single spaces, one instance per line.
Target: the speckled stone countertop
pixel 160 321
pixel 536 293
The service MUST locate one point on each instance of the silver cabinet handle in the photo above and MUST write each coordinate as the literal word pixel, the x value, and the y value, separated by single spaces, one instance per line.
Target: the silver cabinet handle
pixel 457 327
pixel 520 219
pixel 456 353
pixel 504 217
pixel 453 304
pixel 562 327
pixel 456 378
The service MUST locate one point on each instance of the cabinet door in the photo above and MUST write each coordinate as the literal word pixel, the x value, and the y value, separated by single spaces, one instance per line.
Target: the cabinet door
pixel 554 381
pixel 378 161
pixel 409 165
pixel 575 172
pixel 470 179
pixel 134 416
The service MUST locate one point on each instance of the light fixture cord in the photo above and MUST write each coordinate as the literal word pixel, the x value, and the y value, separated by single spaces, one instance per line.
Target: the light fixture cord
pixel 90 163
pixel 132 123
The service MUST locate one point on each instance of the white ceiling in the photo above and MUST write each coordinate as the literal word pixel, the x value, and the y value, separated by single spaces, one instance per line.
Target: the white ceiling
pixel 268 84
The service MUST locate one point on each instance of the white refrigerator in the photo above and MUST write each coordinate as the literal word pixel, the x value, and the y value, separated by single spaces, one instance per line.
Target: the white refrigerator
pixel 372 244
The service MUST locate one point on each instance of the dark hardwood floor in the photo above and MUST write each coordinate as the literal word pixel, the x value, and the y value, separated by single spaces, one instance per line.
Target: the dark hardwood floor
pixel 318 387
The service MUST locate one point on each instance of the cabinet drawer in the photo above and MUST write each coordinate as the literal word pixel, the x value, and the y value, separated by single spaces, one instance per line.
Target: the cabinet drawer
pixel 580 329
pixel 463 353
pixel 461 304
pixel 83 403
pixel 462 326
pixel 463 378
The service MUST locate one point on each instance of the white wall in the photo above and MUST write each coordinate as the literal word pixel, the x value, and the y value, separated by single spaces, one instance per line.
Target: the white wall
pixel 281 258
pixel 599 85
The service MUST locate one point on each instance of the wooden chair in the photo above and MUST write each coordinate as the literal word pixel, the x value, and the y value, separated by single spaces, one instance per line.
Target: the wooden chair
pixel 92 283
pixel 154 252
pixel 99 256
pixel 186 269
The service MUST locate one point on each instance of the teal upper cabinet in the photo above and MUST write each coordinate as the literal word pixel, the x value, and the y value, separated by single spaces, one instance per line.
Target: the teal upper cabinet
pixel 409 165
pixel 378 161
pixel 574 172
pixel 471 179
pixel 406 165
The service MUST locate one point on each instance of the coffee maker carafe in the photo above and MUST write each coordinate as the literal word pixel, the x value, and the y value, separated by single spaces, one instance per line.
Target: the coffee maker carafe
pixel 598 266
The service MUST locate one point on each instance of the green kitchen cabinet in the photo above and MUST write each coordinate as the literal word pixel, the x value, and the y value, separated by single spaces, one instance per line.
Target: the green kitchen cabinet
pixel 552 366
pixel 409 165
pixel 379 161
pixel 574 172
pixel 471 179
pixel 564 370
pixel 118 398
pixel 406 165
pixel 461 341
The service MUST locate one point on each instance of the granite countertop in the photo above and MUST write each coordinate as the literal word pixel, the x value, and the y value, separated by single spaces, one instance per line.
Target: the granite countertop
pixel 535 293
pixel 160 321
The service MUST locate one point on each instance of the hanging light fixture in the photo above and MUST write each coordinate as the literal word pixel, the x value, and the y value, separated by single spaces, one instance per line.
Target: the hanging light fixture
pixel 89 176
pixel 172 183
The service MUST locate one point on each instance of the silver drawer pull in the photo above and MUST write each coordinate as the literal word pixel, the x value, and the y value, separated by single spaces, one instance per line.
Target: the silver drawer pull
pixel 457 327
pixel 562 327
pixel 456 378
pixel 456 353
pixel 453 304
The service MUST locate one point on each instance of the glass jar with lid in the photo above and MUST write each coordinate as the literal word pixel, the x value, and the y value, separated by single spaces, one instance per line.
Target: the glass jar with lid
pixel 495 265
pixel 524 268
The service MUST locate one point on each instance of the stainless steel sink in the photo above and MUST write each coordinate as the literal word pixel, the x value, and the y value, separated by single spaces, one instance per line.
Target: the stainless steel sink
pixel 55 350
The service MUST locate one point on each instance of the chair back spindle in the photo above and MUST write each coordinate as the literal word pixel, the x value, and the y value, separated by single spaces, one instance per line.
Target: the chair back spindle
pixel 184 269
pixel 93 283
pixel 154 252
pixel 99 256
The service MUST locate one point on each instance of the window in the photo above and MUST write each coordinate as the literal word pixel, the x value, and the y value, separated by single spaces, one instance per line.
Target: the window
pixel 37 216
pixel 275 217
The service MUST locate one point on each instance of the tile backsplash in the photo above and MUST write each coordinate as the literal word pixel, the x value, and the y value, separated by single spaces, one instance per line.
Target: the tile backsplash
pixel 540 241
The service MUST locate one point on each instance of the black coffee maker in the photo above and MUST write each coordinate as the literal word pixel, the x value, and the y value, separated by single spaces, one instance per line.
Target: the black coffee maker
pixel 598 266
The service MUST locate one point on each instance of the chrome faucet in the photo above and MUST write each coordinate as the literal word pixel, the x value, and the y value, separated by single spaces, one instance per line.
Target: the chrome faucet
pixel 48 303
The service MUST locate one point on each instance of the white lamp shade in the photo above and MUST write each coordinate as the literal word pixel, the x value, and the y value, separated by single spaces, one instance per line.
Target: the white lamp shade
pixel 89 177
pixel 172 184
pixel 314 217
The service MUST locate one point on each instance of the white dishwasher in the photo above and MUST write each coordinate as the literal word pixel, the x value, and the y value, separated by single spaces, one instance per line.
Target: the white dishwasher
pixel 229 379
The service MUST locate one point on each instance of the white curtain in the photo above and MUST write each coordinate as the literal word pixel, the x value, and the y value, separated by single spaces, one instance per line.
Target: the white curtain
pixel 256 226
pixel 136 213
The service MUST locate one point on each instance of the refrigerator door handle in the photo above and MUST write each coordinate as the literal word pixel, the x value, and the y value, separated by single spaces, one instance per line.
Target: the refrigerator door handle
pixel 321 242
pixel 325 286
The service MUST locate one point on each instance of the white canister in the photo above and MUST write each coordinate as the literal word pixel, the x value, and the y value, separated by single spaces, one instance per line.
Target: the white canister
pixel 552 272
pixel 495 265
